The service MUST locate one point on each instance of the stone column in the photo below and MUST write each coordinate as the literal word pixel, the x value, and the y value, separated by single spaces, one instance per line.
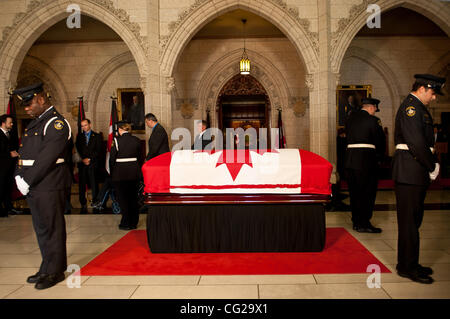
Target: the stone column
pixel 322 86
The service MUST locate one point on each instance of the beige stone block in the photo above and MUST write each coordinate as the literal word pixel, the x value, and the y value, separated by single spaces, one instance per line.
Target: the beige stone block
pixel 322 291
pixel 197 292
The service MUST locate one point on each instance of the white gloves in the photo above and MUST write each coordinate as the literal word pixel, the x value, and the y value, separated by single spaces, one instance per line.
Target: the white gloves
pixel 22 186
pixel 434 174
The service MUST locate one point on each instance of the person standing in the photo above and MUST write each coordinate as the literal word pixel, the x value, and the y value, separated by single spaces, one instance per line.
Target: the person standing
pixel 89 145
pixel 125 165
pixel 44 178
pixel 366 146
pixel 7 165
pixel 414 165
pixel 202 140
pixel 158 143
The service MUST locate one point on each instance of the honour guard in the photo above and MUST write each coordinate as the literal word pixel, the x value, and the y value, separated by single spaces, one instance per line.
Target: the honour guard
pixel 44 178
pixel 414 165
pixel 366 147
pixel 125 163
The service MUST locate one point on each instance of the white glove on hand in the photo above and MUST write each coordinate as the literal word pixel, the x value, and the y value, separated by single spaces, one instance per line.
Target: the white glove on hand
pixel 434 174
pixel 22 186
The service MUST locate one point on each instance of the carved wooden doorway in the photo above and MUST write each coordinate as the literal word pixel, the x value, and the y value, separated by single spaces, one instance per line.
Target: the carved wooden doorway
pixel 243 102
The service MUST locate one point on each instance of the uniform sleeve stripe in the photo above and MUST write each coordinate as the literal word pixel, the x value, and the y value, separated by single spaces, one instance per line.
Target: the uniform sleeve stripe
pixel 48 123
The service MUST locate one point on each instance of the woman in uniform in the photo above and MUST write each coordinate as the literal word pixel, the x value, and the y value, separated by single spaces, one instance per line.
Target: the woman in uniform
pixel 126 173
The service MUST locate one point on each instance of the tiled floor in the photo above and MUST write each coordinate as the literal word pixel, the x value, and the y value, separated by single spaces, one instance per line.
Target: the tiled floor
pixel 89 235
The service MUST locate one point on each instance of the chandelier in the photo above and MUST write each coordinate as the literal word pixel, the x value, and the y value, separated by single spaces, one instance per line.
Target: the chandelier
pixel 244 64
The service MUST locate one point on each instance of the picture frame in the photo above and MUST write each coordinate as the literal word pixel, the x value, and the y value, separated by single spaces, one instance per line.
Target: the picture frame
pixel 127 109
pixel 348 99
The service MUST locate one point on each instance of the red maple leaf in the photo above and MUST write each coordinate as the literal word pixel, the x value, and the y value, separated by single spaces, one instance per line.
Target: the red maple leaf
pixel 235 159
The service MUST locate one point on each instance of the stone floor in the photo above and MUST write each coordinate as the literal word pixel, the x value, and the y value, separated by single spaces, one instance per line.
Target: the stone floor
pixel 89 235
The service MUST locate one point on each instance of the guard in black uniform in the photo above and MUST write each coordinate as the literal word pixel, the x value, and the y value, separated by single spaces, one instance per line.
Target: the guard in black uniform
pixel 366 146
pixel 125 163
pixel 414 165
pixel 43 176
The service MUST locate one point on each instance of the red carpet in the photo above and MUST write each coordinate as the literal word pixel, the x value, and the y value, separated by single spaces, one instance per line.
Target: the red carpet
pixel 130 256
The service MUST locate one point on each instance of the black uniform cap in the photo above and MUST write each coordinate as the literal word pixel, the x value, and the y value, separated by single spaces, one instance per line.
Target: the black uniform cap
pixel 26 94
pixel 369 100
pixel 431 81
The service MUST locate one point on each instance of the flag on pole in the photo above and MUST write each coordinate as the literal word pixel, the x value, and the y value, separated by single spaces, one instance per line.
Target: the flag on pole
pixel 81 114
pixel 208 121
pixel 112 131
pixel 281 137
pixel 11 111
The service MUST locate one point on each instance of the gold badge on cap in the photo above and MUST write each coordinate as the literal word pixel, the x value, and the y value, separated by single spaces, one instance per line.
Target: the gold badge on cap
pixel 410 111
pixel 59 124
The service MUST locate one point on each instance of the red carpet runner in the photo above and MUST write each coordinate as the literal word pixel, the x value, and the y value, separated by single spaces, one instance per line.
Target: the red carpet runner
pixel 130 256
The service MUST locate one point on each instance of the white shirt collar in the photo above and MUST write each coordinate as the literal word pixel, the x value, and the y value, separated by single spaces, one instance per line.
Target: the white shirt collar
pixel 46 111
pixel 4 131
pixel 416 97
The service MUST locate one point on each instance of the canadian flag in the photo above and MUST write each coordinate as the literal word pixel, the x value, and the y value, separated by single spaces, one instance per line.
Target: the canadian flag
pixel 112 130
pixel 279 171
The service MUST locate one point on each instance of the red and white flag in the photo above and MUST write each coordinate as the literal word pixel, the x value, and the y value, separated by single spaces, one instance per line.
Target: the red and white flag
pixel 279 171
pixel 112 131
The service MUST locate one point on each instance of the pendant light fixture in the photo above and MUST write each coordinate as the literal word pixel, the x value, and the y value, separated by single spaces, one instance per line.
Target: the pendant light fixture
pixel 244 64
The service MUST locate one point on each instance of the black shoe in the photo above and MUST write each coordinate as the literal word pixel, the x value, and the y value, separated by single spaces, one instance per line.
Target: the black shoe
pixel 83 209
pixel 35 278
pixel 96 211
pixel 368 229
pixel 14 212
pixel 427 271
pixel 67 212
pixel 49 281
pixel 416 276
pixel 3 215
pixel 127 227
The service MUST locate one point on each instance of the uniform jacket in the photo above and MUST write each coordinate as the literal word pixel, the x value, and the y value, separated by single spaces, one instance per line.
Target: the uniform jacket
pixel 363 128
pixel 125 146
pixel 414 127
pixel 45 140
pixel 92 150
pixel 158 143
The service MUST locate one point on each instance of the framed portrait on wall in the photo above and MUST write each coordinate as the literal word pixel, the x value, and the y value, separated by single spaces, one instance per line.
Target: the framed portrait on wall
pixel 348 99
pixel 131 108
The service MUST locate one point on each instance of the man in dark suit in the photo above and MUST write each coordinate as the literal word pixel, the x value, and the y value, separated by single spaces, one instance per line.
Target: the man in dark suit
pixel 158 143
pixel 43 176
pixel 366 146
pixel 88 144
pixel 7 165
pixel 125 163
pixel 202 140
pixel 414 165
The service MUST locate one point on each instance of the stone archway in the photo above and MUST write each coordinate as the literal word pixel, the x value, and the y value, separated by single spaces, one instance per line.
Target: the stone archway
pixel 434 10
pixel 102 75
pixel 226 67
pixel 243 102
pixel 53 83
pixel 276 12
pixel 18 39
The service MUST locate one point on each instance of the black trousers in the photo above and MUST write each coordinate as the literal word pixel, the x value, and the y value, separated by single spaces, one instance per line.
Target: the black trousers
pixel 6 185
pixel 47 211
pixel 87 176
pixel 127 196
pixel 362 186
pixel 410 207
